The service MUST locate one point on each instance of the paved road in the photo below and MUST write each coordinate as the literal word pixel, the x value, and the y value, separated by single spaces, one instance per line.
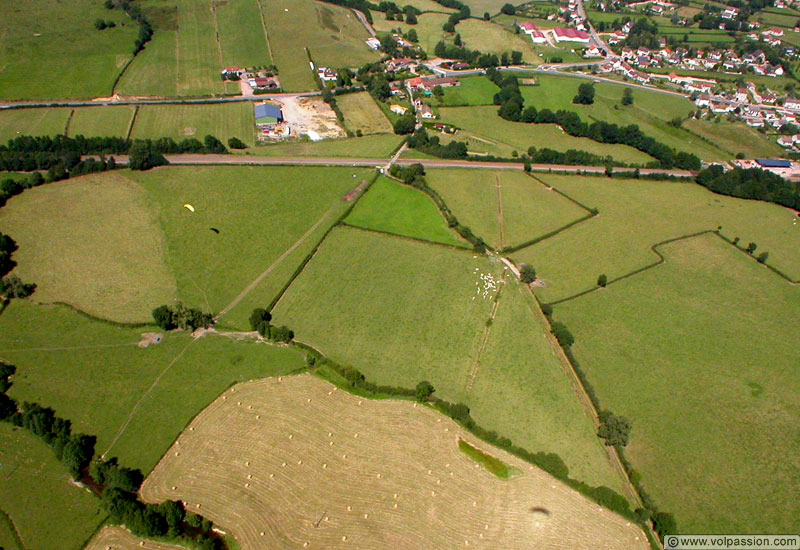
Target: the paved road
pixel 182 160
pixel 153 101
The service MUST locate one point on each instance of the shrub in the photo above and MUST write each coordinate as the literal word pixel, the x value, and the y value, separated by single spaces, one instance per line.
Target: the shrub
pixel 527 273
pixel 562 334
pixel 424 390
pixel 259 316
pixel 762 258
pixel 664 524
pixel 614 429
pixel 602 280
pixel 236 143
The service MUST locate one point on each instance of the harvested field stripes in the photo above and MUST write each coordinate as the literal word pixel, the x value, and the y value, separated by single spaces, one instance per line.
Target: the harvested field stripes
pixel 119 538
pixel 476 363
pixel 247 460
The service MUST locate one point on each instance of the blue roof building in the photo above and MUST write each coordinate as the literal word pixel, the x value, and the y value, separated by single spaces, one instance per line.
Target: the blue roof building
pixel 770 163
pixel 268 114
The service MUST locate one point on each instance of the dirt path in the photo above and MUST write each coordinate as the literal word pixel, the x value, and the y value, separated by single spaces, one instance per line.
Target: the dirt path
pixel 266 34
pixel 473 371
pixel 255 282
pixel 145 394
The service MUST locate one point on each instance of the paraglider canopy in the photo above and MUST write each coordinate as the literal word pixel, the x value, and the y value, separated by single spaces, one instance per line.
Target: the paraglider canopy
pixel 189 207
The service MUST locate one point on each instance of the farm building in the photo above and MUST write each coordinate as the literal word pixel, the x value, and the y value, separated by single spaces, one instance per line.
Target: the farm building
pixel 530 29
pixel 772 163
pixel 569 35
pixel 267 114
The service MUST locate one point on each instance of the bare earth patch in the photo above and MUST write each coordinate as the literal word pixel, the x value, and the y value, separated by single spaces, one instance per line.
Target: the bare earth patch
pixel 310 116
pixel 296 463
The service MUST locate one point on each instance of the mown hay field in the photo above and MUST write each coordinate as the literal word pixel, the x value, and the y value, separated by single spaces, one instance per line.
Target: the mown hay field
pixel 651 111
pixel 407 311
pixel 88 121
pixel 101 121
pixel 334 36
pixel 504 208
pixel 32 122
pixel 223 121
pixel 52 50
pixel 378 146
pixel 699 353
pixel 294 463
pixel 118 244
pixel 394 208
pixel 44 507
pixel 636 214
pixel 242 36
pixel 119 538
pixel 483 122
pixel 140 398
pixel 361 113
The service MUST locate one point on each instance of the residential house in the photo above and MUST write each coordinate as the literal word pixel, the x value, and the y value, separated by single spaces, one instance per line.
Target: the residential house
pixel 398 109
pixel 426 112
pixel 570 35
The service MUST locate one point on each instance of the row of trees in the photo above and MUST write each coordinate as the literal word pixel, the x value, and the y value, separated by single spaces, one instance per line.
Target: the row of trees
pixel 180 316
pixel 260 321
pixel 133 11
pixel 81 145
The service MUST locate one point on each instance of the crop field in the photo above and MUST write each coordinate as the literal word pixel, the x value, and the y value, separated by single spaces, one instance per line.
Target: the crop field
pixel 484 122
pixel 474 90
pixel 651 111
pixel 242 37
pixel 361 113
pixel 52 50
pixel 380 290
pixel 101 121
pixel 94 243
pixel 634 215
pixel 45 509
pixel 119 538
pixel 378 146
pixel 224 120
pixel 141 398
pixel 714 427
pixel 504 208
pixel 262 442
pixel 334 36
pixel 402 210
pixel 32 122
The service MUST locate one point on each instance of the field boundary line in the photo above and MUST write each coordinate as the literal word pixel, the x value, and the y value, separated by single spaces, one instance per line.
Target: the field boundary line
pixel 145 394
pixel 404 237
pixel 132 121
pixel 255 282
pixel 69 120
pixel 216 33
pixel 500 210
pixel 5 518
pixel 266 34
pixel 775 270
pixel 313 252
pixel 473 371
pixel 653 248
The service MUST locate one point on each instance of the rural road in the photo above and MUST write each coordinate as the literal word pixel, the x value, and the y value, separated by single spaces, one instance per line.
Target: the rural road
pixel 247 160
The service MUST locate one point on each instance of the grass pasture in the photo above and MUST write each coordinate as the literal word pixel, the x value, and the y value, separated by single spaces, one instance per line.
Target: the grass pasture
pixel 735 138
pixel 154 72
pixel 379 468
pixel 334 36
pixel 394 208
pixel 361 113
pixel 32 122
pixel 224 120
pixel 634 215
pixel 199 55
pixel 141 399
pixel 242 37
pixel 51 50
pixel 504 208
pixel 428 27
pixel 394 303
pixel 701 367
pixel 46 509
pixel 91 242
pixel 489 37
pixel 483 122
pixel 473 90
pixel 112 120
pixel 378 146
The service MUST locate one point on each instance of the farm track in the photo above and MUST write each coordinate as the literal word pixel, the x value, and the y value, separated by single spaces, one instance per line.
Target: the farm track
pixel 500 211
pixel 476 364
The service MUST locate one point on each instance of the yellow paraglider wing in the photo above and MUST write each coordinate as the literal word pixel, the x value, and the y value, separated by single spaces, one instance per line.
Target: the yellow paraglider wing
pixel 189 207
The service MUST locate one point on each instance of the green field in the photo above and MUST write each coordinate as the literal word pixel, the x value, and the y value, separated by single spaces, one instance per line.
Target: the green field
pixel 101 121
pixel 114 267
pixel 199 55
pixel 635 215
pixel 138 399
pixel 483 122
pixel 478 7
pixel 51 50
pixel 361 113
pixel 334 36
pixel 478 197
pixel 242 37
pixel 473 90
pixel 379 146
pixel 651 111
pixel 394 208
pixel 489 37
pixel 154 72
pixel 426 5
pixel 224 120
pixel 47 510
pixel 32 122
pixel 735 137
pixel 428 27
pixel 407 311
pixel 699 353
pixel 136 246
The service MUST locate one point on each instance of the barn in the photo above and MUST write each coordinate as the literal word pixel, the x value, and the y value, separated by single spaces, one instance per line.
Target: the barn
pixel 266 114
